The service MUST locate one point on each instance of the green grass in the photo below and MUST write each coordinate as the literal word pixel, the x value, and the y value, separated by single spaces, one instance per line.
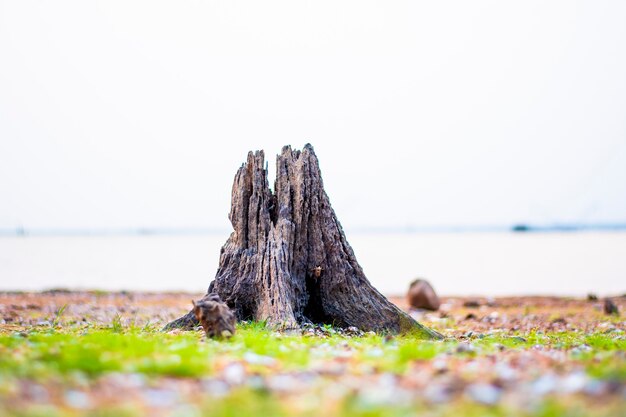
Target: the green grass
pixel 62 354
pixel 145 350
pixel 119 348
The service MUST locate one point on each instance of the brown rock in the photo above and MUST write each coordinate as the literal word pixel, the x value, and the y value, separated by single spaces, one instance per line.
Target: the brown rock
pixel 610 308
pixel 471 304
pixel 422 295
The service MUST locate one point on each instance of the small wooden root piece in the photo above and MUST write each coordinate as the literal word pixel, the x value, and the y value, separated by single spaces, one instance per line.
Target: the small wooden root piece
pixel 288 262
pixel 215 317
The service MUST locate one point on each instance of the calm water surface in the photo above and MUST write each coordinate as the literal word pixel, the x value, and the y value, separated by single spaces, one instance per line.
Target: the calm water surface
pixel 456 263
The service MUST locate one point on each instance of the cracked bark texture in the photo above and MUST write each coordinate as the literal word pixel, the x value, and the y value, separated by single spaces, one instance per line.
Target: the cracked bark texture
pixel 266 268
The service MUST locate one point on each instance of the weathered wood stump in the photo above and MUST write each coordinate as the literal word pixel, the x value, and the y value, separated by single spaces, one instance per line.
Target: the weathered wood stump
pixel 288 262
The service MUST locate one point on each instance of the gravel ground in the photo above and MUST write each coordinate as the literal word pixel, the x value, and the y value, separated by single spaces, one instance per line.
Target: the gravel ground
pixel 503 356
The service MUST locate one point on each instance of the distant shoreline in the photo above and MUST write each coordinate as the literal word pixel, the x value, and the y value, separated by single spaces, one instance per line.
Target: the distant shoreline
pixel 200 231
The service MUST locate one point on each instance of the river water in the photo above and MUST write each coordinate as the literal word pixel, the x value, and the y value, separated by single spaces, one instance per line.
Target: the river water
pixel 456 263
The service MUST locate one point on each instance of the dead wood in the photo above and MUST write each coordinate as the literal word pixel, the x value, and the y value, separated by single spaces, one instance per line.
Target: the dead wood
pixel 288 261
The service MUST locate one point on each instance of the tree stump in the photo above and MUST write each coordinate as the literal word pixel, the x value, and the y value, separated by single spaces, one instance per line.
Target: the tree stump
pixel 287 262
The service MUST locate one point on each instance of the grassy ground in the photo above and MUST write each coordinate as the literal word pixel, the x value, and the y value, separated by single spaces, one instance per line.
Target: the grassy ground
pixel 103 354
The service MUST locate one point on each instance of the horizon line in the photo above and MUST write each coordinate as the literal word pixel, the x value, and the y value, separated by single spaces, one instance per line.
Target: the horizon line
pixel 199 230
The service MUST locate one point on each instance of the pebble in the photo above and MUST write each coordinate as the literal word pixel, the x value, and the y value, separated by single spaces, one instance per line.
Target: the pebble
pixel 595 387
pixel 505 372
pixel 256 382
pixel 339 353
pixel 544 384
pixel 37 393
pixel 580 349
pixel 234 374
pixel 464 347
pixel 129 381
pixel 215 387
pixel 159 398
pixel 255 359
pixel 518 339
pixel 484 393
pixel 573 382
pixel 440 365
pixel 384 394
pixel 471 304
pixel 76 399
pixel 437 393
pixel 374 353
pixel 284 383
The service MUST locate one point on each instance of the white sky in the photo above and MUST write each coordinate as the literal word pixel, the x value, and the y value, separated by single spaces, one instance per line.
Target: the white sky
pixel 138 113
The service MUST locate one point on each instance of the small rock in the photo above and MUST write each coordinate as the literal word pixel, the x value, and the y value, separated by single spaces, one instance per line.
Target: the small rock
pixel 422 295
pixel 353 331
pixel 256 382
pixel 518 339
pixel 284 383
pixel 37 393
pixel 215 387
pixel 255 359
pixel 370 397
pixel 437 393
pixel 595 387
pixel 610 308
pixel 544 385
pixel 580 349
pixel 374 353
pixel 125 380
pixel 77 399
pixel 234 374
pixel 159 398
pixel 505 372
pixel 484 393
pixel 471 304
pixel 440 366
pixel 491 302
pixel 573 382
pixel 465 348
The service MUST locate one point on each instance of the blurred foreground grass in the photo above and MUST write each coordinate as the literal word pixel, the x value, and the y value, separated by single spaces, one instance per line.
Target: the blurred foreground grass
pixel 119 370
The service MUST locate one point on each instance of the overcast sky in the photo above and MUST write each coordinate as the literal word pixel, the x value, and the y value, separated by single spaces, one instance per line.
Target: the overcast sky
pixel 138 113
